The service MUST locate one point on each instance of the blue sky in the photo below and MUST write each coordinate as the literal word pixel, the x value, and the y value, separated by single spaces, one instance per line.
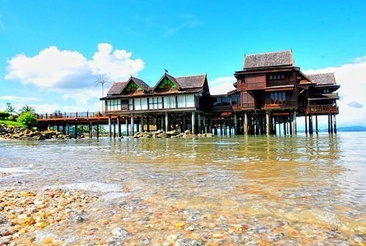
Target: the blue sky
pixel 52 52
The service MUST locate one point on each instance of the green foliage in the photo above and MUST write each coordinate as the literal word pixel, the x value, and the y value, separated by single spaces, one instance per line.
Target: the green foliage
pixel 10 109
pixel 26 109
pixel 27 119
pixel 10 123
pixel 4 115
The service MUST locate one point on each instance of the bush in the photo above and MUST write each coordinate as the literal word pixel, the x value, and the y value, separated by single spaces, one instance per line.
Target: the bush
pixel 12 117
pixel 27 119
pixel 4 115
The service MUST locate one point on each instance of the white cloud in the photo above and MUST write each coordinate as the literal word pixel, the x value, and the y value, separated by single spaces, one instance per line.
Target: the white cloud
pixel 19 99
pixel 352 103
pixel 221 85
pixel 70 73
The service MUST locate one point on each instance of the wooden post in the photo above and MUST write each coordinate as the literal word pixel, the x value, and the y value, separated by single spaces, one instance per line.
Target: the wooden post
pixel 295 123
pixel 76 131
pixel 335 125
pixel 97 130
pixel 316 124
pixel 311 125
pixel 119 126
pixel 90 129
pixel 306 125
pixel 110 125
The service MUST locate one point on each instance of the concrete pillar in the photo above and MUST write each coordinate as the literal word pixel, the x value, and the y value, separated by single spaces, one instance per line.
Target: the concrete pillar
pixel 166 121
pixel 132 125
pixel 245 124
pixel 235 124
pixel 127 127
pixel 335 125
pixel 193 123
pixel 331 124
pixel 268 126
pixel 204 124
pixel 142 123
pixel 199 123
pixel 184 119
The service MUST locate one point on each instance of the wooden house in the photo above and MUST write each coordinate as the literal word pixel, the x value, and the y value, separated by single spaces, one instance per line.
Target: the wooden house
pixel 173 103
pixel 270 92
pixel 269 86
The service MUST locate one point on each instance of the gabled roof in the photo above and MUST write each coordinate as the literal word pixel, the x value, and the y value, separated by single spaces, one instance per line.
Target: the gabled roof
pixel 184 83
pixel 189 82
pixel 273 59
pixel 117 88
pixel 323 78
pixel 169 77
pixel 140 83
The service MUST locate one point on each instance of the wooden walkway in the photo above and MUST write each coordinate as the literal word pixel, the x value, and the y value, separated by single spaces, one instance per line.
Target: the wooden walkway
pixel 72 118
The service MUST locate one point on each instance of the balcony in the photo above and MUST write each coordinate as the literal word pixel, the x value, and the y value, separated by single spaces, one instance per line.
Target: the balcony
pixel 322 109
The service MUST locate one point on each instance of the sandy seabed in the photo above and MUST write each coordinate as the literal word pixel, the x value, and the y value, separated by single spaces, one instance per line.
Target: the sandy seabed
pixel 66 217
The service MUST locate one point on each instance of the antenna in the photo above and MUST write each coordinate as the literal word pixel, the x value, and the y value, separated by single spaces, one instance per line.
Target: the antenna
pixel 102 79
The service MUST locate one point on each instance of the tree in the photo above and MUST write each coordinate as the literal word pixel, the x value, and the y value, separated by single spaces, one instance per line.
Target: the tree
pixel 10 109
pixel 27 108
pixel 27 119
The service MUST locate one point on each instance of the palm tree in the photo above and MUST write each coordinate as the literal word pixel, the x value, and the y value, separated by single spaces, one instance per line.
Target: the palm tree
pixel 10 109
pixel 27 108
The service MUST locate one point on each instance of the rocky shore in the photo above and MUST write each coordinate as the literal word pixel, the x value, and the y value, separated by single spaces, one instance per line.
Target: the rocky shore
pixel 66 217
pixel 27 134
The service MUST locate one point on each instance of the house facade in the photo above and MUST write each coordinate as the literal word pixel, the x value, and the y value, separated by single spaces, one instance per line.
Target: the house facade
pixel 270 92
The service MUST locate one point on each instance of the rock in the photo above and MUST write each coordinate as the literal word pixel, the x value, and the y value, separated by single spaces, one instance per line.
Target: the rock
pixel 119 232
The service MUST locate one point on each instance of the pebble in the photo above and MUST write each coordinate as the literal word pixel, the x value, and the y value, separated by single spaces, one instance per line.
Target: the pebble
pixel 61 217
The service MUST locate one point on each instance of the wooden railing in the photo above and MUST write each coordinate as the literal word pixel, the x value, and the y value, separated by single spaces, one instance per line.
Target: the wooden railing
pixel 70 115
pixel 322 109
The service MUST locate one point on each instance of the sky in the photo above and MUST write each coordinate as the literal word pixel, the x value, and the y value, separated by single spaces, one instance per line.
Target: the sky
pixel 54 53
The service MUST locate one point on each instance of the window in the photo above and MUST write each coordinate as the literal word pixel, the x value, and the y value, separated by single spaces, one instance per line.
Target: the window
pixel 170 102
pixel 124 104
pixel 113 105
pixel 130 104
pixel 155 103
pixel 276 77
pixel 235 99
pixel 278 98
pixel 186 101
pixel 140 103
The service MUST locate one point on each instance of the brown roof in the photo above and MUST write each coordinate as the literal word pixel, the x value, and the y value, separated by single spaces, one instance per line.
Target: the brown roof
pixel 141 83
pixel 323 78
pixel 281 58
pixel 189 82
pixel 116 88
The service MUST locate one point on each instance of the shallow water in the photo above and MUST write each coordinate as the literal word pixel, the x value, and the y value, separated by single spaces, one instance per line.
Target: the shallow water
pixel 314 180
